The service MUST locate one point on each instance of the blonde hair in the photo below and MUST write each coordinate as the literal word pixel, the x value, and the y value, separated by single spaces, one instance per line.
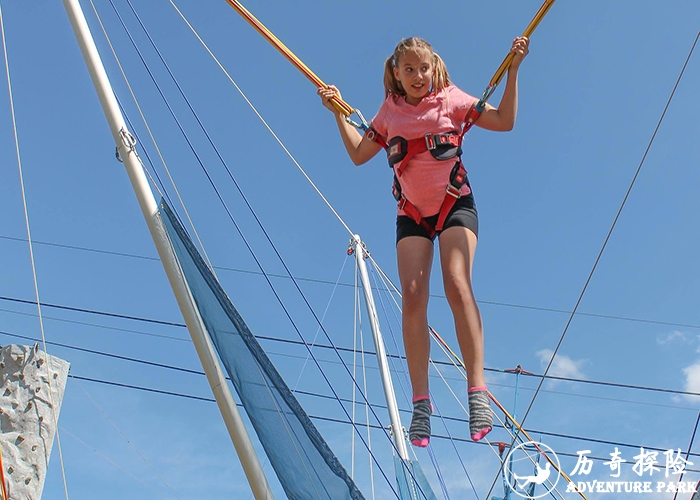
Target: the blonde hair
pixel 441 78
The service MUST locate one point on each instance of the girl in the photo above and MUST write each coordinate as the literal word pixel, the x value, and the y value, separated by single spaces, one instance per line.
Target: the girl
pixel 421 104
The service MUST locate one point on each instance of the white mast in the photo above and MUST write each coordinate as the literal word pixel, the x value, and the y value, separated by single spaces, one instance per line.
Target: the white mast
pixel 202 342
pixel 396 427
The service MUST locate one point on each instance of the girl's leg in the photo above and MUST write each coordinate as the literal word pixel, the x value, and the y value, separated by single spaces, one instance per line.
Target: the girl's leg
pixel 457 248
pixel 415 255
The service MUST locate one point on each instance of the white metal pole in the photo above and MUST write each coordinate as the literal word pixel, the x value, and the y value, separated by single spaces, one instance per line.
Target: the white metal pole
pixel 396 427
pixel 202 342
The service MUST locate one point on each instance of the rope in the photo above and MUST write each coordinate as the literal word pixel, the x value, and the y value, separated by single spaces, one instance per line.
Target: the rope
pixel 237 227
pixel 555 350
pixel 338 103
pixel 92 311
pixel 457 361
pixel 687 455
pixel 329 282
pixel 263 121
pixel 31 252
pixel 363 366
pixel 2 476
pixel 318 330
pixel 356 319
pixel 440 477
pixel 199 372
pixel 508 416
pixel 378 278
pixel 150 134
pixel 345 400
pixel 454 446
pixel 605 243
pixel 262 337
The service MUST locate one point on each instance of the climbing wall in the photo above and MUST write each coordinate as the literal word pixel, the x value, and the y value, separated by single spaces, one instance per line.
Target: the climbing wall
pixel 32 390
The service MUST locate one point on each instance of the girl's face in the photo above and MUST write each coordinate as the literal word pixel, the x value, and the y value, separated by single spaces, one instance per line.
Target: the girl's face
pixel 414 70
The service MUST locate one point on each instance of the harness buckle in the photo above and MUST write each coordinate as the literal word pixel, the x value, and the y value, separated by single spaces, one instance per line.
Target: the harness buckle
pixel 453 191
pixel 432 141
pixel 402 202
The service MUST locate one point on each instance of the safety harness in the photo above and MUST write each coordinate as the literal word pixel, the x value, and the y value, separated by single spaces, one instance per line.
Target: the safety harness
pixel 442 147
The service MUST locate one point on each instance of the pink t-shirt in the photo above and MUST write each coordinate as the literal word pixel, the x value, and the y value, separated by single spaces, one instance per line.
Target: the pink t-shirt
pixel 424 178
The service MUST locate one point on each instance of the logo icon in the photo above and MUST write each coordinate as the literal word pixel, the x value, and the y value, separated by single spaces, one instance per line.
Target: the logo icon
pixel 529 473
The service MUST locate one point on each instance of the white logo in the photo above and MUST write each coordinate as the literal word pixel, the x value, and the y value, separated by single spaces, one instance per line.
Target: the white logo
pixel 528 466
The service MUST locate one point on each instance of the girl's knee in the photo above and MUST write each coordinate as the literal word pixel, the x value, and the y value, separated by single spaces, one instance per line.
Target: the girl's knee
pixel 414 298
pixel 458 291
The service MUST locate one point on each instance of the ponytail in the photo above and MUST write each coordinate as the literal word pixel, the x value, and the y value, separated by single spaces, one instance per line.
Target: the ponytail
pixel 391 84
pixel 441 78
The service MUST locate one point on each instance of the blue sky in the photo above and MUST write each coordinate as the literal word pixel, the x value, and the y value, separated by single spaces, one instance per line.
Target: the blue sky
pixel 591 93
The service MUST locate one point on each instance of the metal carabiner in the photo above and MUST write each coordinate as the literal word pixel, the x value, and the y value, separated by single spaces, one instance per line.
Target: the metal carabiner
pixel 361 125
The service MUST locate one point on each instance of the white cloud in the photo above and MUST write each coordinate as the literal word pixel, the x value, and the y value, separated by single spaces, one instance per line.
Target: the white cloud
pixel 563 366
pixel 692 381
pixel 670 337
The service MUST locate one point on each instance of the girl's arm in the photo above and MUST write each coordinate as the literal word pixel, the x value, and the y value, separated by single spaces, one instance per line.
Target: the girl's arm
pixel 360 149
pixel 502 119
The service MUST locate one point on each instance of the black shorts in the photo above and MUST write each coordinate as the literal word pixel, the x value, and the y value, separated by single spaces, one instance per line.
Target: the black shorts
pixel 462 214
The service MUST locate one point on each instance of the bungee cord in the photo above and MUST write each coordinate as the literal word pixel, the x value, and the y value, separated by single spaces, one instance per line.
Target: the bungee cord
pixel 346 112
pixel 338 103
pixel 344 107
pixel 262 120
pixel 604 246
pixel 552 357
pixel 503 68
pixel 287 313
